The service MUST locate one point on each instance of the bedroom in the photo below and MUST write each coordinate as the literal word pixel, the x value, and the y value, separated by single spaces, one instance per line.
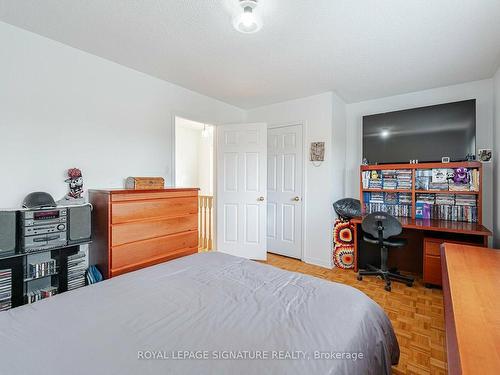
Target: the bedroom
pixel 97 86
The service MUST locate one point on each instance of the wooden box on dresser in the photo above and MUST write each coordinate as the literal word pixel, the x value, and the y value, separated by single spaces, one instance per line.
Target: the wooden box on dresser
pixel 133 229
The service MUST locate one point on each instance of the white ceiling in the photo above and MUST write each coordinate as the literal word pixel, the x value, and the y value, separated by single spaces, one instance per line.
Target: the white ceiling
pixel 361 49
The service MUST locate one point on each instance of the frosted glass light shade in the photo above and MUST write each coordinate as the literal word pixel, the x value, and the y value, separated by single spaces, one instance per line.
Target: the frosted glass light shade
pixel 247 22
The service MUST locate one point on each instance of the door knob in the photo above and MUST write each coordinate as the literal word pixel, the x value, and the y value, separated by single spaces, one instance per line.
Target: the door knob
pixel 261 199
pixel 296 199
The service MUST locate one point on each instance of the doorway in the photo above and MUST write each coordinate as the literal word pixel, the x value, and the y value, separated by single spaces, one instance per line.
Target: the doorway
pixel 194 167
pixel 285 190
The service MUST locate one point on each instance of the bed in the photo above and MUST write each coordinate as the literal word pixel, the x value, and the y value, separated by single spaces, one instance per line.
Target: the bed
pixel 208 313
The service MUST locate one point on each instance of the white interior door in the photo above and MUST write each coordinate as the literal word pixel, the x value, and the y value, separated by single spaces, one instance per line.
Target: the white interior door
pixel 241 190
pixel 284 190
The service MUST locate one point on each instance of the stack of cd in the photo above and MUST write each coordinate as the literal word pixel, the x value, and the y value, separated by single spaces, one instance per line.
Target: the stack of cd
pixel 76 270
pixel 42 269
pixel 39 294
pixel 5 289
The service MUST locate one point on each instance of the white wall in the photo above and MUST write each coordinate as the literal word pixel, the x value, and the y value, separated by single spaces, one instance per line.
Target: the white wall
pixel 206 163
pixel 61 108
pixel 187 147
pixel 317 114
pixel 194 155
pixel 496 160
pixel 339 147
pixel 482 91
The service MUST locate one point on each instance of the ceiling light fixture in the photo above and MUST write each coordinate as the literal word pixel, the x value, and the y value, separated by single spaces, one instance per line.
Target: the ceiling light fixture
pixel 248 22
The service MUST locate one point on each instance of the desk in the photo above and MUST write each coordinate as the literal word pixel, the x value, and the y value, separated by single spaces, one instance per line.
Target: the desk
pixel 420 232
pixel 471 306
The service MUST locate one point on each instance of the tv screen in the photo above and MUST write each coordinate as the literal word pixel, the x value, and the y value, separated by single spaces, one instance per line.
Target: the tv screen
pixel 425 134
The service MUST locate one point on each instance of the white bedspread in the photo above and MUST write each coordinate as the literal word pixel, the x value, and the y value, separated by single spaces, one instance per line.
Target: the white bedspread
pixel 207 306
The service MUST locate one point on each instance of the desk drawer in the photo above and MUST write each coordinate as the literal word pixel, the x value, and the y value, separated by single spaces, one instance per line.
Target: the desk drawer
pixel 432 247
pixel 432 270
pixel 432 260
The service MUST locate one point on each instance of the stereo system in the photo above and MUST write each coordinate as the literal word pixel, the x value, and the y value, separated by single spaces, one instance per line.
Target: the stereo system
pixel 44 228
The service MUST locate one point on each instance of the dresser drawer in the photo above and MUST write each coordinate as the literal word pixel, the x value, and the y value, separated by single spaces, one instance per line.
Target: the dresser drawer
pixel 137 210
pixel 147 229
pixel 148 195
pixel 136 253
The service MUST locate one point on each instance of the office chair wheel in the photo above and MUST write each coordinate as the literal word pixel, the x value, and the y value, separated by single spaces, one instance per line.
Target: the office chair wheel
pixel 388 288
pixel 359 277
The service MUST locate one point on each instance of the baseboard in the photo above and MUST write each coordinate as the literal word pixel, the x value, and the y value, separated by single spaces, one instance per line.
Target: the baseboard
pixel 318 262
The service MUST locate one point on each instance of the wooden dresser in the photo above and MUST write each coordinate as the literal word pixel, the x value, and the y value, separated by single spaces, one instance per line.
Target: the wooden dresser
pixel 471 308
pixel 133 229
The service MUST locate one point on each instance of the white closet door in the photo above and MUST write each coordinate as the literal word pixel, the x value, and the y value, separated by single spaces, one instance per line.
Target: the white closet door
pixel 284 191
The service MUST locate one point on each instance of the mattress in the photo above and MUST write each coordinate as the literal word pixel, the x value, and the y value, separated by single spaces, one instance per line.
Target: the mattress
pixel 208 313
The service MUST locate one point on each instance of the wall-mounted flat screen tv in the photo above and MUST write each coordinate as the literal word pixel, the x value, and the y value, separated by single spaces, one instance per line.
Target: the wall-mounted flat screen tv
pixel 425 134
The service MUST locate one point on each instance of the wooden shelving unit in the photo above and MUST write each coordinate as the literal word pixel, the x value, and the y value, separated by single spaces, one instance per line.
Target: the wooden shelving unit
pixel 414 192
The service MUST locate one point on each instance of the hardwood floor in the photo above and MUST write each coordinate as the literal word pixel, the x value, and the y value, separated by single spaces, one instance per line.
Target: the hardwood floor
pixel 416 314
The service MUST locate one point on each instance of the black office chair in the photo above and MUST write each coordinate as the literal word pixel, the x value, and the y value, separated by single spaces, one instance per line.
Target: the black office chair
pixel 379 228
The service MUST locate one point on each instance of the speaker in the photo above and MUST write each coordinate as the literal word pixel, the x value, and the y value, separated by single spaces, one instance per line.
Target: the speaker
pixel 79 223
pixel 7 232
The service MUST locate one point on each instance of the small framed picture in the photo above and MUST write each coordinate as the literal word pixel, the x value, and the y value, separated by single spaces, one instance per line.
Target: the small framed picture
pixel 445 159
pixel 484 155
pixel 317 151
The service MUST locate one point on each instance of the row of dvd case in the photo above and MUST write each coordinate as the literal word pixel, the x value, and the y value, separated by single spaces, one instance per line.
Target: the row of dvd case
pixel 5 289
pixel 76 270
